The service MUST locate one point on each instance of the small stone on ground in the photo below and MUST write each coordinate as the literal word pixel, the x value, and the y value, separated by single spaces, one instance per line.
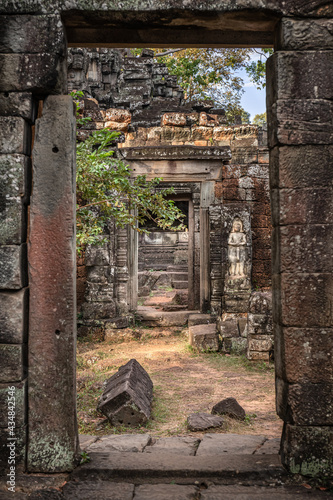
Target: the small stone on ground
pixel 124 442
pixel 203 421
pixel 230 407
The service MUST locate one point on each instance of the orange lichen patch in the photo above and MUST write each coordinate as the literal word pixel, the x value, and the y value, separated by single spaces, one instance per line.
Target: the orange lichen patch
pixel 119 127
pixel 207 120
pixel 173 119
pixel 118 115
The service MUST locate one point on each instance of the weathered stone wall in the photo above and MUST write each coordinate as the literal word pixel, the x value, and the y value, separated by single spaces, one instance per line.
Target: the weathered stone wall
pixel 37 305
pixel 300 131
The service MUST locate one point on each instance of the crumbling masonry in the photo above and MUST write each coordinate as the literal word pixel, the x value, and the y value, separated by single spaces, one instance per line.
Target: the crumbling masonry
pixel 37 274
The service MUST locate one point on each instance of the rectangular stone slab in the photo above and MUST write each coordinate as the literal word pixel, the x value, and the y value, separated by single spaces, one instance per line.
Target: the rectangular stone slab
pixel 233 444
pixel 53 440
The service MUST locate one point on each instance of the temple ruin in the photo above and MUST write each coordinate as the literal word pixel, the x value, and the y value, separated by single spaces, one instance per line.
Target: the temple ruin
pixel 37 252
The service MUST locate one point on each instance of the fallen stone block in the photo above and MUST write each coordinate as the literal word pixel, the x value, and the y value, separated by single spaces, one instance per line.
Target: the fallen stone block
pixel 230 407
pixel 128 395
pixel 203 421
pixel 204 337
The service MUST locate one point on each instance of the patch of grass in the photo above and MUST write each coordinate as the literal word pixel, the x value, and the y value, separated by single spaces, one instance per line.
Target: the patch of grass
pixel 220 360
pixel 249 417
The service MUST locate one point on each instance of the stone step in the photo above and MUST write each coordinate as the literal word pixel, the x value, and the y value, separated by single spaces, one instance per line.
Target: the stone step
pixel 180 285
pixel 128 491
pixel 178 276
pixel 140 468
pixel 152 317
pixel 201 319
pixel 188 490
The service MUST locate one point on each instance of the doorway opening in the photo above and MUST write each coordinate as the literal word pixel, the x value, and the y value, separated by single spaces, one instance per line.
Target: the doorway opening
pixel 163 264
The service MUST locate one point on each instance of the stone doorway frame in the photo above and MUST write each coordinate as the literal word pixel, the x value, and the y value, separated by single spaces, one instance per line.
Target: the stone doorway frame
pixel 33 56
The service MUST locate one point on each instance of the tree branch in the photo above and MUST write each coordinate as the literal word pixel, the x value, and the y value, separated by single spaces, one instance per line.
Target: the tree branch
pixel 171 51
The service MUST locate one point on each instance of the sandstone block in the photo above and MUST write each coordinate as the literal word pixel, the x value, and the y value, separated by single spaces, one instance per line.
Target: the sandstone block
pixel 40 73
pixel 305 34
pixel 201 319
pixel 208 120
pixel 163 491
pixel 52 283
pixel 96 292
pixel 100 489
pixel 20 449
pixel 13 366
pixel 186 445
pixel 300 122
pixel 307 450
pixel 15 136
pixel 228 328
pixel 13 267
pixel 133 443
pixel 204 337
pixel 258 355
pixel 17 104
pixel 307 355
pixel 127 396
pixel 119 127
pixel 305 403
pixel 260 324
pixel 230 407
pixel 99 310
pixel 302 206
pixel 304 248
pixel 12 221
pixel 306 299
pixel 233 444
pixel 20 406
pixel 203 421
pixel 100 274
pixel 173 119
pixel 13 175
pixel 13 317
pixel 118 115
pixel 97 255
pixel 293 167
pixel 304 75
pixel 262 344
pixel 201 133
pixel 30 34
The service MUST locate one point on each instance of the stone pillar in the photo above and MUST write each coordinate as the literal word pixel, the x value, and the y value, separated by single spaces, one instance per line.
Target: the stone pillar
pixel 52 275
pixel 299 103
pixel 33 56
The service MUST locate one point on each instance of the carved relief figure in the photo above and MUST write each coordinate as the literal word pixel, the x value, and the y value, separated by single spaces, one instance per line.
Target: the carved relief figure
pixel 237 249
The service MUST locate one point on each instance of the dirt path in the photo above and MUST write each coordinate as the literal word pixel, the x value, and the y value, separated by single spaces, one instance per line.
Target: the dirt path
pixel 184 383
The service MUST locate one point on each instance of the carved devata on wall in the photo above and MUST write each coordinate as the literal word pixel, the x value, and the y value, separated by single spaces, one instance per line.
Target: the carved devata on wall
pixel 237 250
pixel 236 259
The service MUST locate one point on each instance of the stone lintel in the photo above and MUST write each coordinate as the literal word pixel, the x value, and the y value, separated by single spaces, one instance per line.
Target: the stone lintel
pixel 177 153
